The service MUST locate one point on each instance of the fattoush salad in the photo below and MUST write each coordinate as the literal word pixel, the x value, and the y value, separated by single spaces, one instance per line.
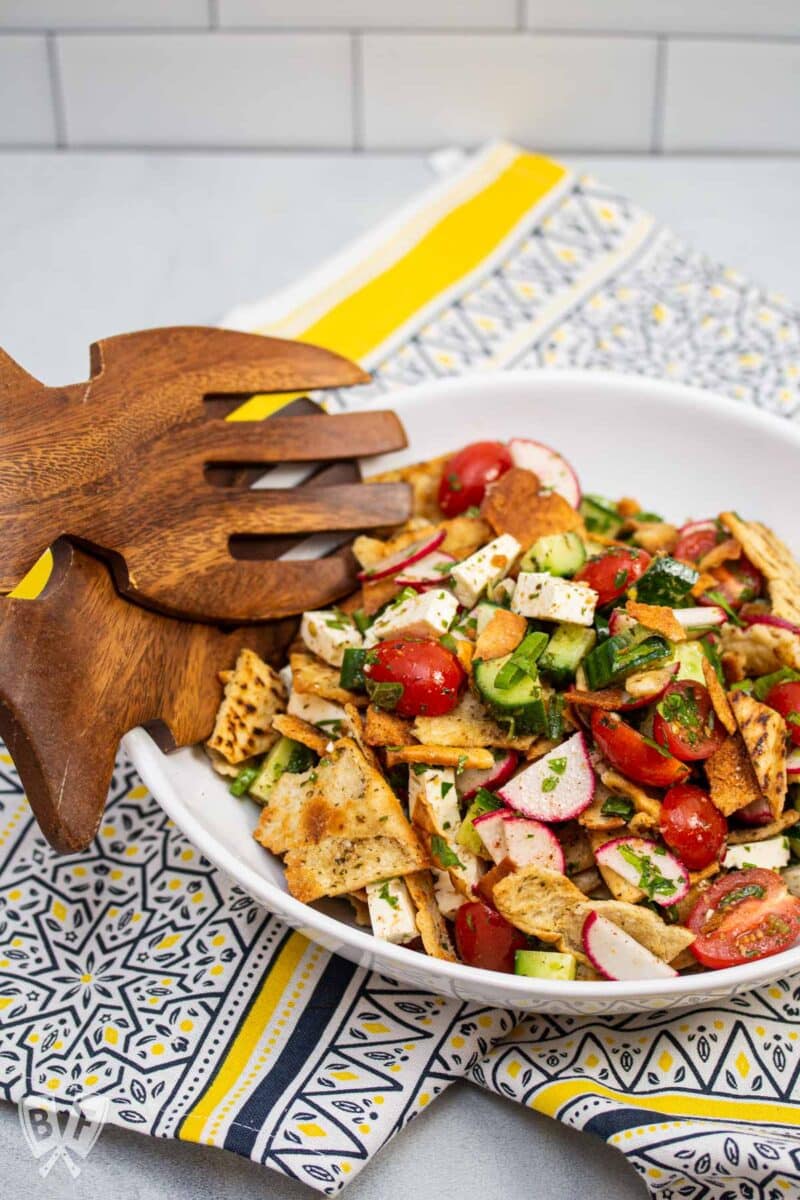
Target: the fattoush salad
pixel 551 734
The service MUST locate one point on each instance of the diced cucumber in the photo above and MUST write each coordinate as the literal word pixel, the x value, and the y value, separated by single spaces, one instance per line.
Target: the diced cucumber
pixel 600 515
pixel 521 702
pixel 351 673
pixel 622 654
pixel 468 836
pixel 285 756
pixel 545 964
pixel 689 656
pixel 765 683
pixel 559 553
pixel 565 651
pixel 666 581
pixel 245 779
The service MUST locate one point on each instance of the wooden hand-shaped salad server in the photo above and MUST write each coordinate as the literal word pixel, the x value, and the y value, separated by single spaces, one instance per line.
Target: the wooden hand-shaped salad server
pixel 124 463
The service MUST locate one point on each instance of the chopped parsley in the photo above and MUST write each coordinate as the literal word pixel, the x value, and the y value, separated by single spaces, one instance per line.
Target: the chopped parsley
pixel 745 892
pixel 558 765
pixel 455 483
pixel 617 806
pixel 444 855
pixel 446 787
pixel 550 783
pixel 386 895
pixel 651 881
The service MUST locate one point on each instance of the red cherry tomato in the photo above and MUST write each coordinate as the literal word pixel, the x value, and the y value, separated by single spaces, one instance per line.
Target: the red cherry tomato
pixel 697 541
pixel 685 724
pixel 785 699
pixel 628 751
pixel 485 939
pixel 431 677
pixel 612 573
pixel 467 474
pixel 738 581
pixel 692 826
pixel 743 916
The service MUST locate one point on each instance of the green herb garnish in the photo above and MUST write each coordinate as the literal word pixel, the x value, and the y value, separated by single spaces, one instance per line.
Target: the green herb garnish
pixel 444 855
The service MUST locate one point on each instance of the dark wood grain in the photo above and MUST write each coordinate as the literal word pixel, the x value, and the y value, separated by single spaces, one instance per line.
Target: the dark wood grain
pixel 80 666
pixel 125 464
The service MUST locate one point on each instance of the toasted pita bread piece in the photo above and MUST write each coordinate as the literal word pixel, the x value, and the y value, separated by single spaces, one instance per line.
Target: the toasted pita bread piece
pixel 731 779
pixel 424 479
pixel 223 767
pixel 459 757
pixel 464 535
pixel 719 699
pixel 578 853
pixel 761 649
pixel 383 728
pixel 502 634
pixel 763 731
pixel 725 551
pixel 430 922
pixel 371 551
pixel 469 724
pixel 252 697
pixel 314 677
pixel 653 536
pixel 340 826
pixel 659 618
pixel 360 909
pixel 547 905
pixel 594 818
pixel 357 732
pixel 758 833
pixel 301 731
pixel 619 887
pixel 514 505
pixel 643 802
pixel 775 561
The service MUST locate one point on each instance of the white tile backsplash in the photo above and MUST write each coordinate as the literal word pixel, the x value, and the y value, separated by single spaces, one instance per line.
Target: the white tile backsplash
pixel 201 90
pixel 732 96
pixel 552 93
pixel 757 17
pixel 102 14
pixel 26 110
pixel 371 14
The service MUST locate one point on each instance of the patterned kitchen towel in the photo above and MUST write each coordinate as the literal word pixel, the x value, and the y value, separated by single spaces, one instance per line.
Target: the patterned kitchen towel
pixel 137 973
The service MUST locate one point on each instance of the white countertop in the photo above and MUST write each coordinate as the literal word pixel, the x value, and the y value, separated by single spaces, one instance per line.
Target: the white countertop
pixel 96 244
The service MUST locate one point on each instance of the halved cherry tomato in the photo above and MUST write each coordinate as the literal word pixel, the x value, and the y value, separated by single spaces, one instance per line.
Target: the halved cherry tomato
pixel 485 939
pixel 633 755
pixel 430 676
pixel 467 475
pixel 685 723
pixel 692 826
pixel 698 540
pixel 744 916
pixel 738 581
pixel 612 573
pixel 785 699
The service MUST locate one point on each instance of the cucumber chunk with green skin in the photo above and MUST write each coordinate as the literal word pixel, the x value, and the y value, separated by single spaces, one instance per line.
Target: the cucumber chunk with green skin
pixel 621 655
pixel 765 683
pixel 666 581
pixel 521 702
pixel 561 554
pixel 468 836
pixel 600 515
pixel 351 672
pixel 567 648
pixel 689 656
pixel 286 756
pixel 545 964
pixel 245 779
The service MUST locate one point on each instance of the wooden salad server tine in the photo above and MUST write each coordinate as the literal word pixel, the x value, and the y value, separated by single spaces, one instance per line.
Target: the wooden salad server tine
pixel 80 666
pixel 128 464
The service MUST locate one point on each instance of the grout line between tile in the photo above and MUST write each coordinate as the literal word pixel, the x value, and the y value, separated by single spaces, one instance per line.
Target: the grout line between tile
pixel 56 90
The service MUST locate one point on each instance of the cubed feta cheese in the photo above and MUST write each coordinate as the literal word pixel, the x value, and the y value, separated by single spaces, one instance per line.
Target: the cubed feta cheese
pixel 330 717
pixel 433 800
pixel 391 911
pixel 547 598
pixel 486 566
pixel 329 634
pixel 286 677
pixel 772 854
pixel 425 614
pixel 448 900
pixel 464 867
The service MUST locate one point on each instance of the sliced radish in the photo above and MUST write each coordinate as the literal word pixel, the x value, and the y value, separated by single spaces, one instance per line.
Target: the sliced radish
pixel 430 571
pixel 471 779
pixel 700 618
pixel 769 619
pixel 757 812
pixel 552 470
pixel 556 787
pixel 698 527
pixel 793 762
pixel 405 557
pixel 491 829
pixel 657 862
pixel 616 955
pixel 621 622
pixel 530 843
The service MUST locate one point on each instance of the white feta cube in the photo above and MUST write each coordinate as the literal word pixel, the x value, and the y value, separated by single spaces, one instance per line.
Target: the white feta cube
pixel 329 634
pixel 448 900
pixel 463 867
pixel 433 800
pixel 391 912
pixel 328 716
pixel 771 854
pixel 547 598
pixel 486 566
pixel 425 614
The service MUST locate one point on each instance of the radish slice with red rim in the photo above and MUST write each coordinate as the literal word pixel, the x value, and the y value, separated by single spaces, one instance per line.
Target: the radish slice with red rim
pixel 531 843
pixel 405 557
pixel 646 865
pixel 556 787
pixel 757 812
pixel 430 571
pixel 471 779
pixel 618 956
pixel 704 526
pixel 770 619
pixel 620 622
pixel 491 829
pixel 700 618
pixel 552 470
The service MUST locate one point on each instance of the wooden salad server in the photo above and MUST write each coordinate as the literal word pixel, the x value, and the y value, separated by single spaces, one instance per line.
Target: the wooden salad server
pixel 80 666
pixel 129 463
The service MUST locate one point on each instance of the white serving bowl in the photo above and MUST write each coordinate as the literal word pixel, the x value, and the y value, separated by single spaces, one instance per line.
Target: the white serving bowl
pixel 680 451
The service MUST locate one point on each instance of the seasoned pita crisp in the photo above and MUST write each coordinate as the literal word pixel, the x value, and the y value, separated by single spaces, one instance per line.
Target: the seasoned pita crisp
pixel 430 922
pixel 764 734
pixel 514 505
pixel 719 699
pixel 659 618
pixel 775 561
pixel 424 480
pixel 502 634
pixel 371 551
pixel 464 535
pixel 758 833
pixel 731 779
pixel 459 757
pixel 383 728
pixel 761 649
pixel 340 826
pixel 468 724
pixel 312 676
pixel 223 767
pixel 252 697
pixel 643 802
pixel 301 731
